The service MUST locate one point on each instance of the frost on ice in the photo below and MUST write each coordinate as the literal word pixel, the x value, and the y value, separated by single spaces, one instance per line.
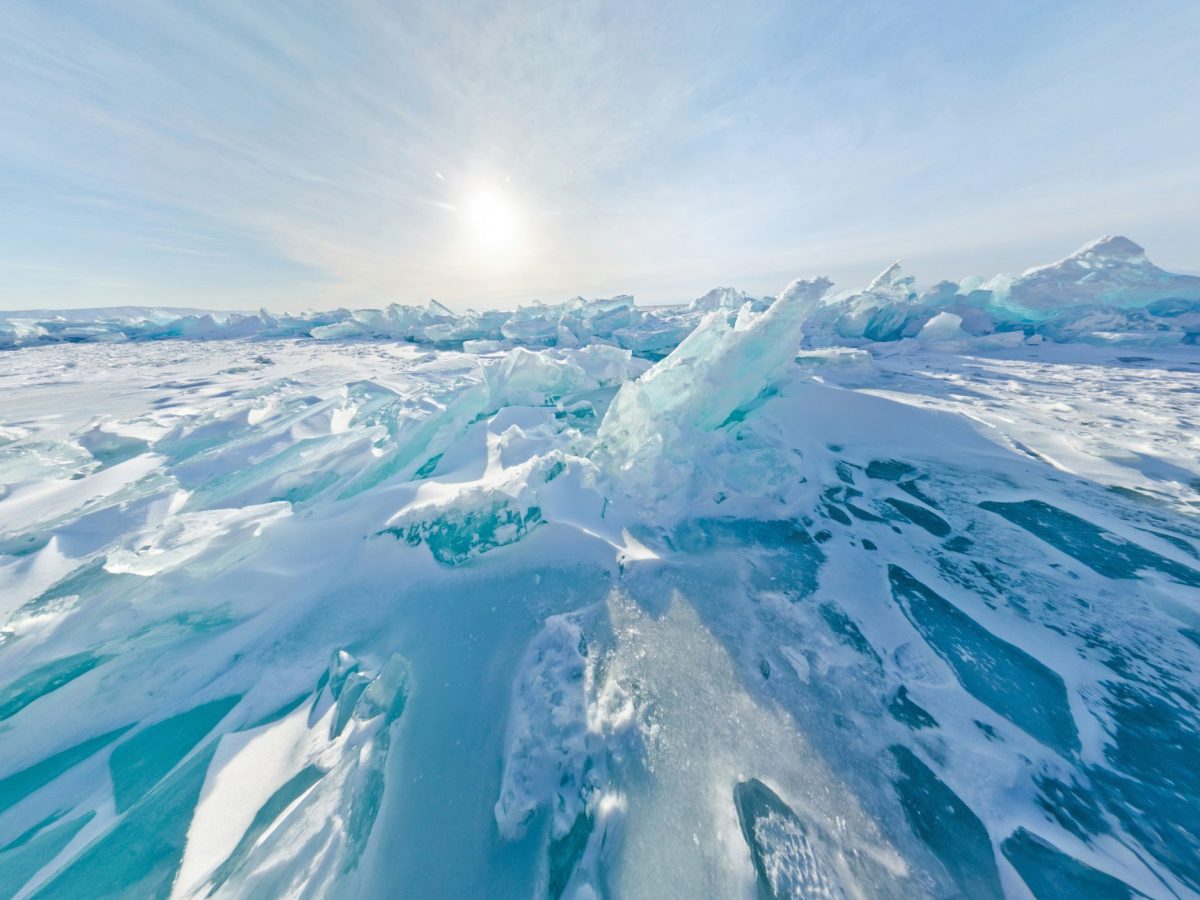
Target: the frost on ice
pixel 886 592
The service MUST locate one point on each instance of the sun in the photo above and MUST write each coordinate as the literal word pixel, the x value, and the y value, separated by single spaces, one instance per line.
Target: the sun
pixel 492 219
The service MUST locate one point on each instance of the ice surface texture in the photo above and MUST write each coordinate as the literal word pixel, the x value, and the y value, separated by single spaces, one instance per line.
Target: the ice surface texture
pixel 593 601
pixel 1107 291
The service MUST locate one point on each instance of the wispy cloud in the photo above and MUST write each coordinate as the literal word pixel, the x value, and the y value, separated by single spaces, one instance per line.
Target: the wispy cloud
pixel 296 153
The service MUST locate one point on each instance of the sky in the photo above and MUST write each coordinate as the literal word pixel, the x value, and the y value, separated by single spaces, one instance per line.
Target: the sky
pixel 292 154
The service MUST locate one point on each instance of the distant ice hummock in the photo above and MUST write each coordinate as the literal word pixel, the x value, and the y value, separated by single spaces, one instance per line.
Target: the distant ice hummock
pixel 1104 292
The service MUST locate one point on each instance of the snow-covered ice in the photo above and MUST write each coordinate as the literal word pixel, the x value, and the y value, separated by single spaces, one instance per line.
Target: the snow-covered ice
pixel 882 593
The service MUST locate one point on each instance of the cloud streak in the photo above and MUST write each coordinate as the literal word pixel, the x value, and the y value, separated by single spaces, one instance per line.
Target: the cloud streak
pixel 296 154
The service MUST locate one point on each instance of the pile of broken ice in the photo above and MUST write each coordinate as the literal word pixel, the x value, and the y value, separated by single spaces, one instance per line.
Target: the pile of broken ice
pixel 1105 292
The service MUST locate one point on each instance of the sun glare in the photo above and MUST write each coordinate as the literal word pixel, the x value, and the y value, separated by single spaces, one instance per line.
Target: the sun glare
pixel 492 219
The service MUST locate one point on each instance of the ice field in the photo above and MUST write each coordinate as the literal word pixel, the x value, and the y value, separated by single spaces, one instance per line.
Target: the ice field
pixel 883 593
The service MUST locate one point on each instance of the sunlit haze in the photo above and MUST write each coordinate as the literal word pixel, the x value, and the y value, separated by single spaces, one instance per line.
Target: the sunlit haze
pixel 492 217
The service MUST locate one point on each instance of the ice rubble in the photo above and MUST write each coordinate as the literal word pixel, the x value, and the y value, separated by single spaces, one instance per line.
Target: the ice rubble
pixel 542 617
pixel 662 423
pixel 1107 291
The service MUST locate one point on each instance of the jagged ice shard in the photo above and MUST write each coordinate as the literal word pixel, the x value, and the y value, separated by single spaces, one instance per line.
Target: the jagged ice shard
pixel 882 593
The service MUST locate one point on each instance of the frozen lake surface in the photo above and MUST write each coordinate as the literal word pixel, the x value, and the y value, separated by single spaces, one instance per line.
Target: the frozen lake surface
pixel 347 618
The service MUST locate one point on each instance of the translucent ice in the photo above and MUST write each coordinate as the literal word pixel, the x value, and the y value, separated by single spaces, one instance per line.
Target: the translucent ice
pixel 656 422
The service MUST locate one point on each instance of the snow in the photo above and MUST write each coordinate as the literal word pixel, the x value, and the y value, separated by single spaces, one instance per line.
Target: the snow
pixel 882 593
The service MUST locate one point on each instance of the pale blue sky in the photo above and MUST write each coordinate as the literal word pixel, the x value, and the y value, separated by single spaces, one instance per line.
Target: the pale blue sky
pixel 313 154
